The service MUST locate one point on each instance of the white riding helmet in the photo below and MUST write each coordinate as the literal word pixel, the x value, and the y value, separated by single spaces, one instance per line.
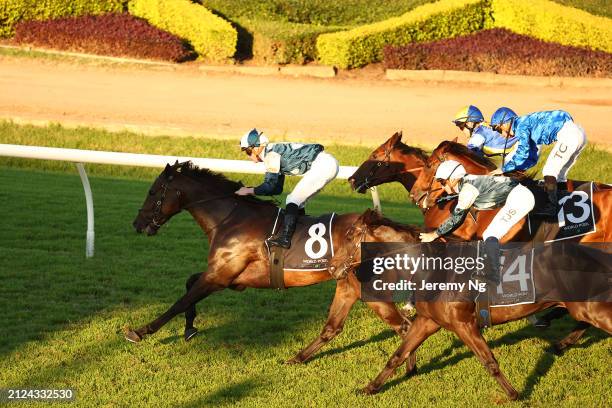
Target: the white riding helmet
pixel 253 138
pixel 450 169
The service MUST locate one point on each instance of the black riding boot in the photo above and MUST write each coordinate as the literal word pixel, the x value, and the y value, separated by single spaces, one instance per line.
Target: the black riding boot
pixel 550 209
pixel 492 262
pixel 283 238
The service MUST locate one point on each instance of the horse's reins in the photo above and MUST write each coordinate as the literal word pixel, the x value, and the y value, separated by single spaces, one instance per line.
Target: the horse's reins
pixel 157 223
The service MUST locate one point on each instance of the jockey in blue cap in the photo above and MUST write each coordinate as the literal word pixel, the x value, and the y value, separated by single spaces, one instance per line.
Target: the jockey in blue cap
pixel 317 167
pixel 481 138
pixel 542 128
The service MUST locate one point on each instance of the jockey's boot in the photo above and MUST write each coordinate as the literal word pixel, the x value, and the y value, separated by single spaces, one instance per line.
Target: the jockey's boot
pixel 550 209
pixel 492 264
pixel 283 238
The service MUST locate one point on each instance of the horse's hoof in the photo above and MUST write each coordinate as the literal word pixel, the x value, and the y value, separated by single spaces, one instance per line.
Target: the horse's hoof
pixel 132 336
pixel 557 349
pixel 513 395
pixel 410 372
pixel 368 390
pixel 294 360
pixel 189 333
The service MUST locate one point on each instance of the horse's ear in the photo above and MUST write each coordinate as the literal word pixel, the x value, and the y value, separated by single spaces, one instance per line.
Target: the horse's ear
pixel 395 139
pixel 455 139
pixel 370 216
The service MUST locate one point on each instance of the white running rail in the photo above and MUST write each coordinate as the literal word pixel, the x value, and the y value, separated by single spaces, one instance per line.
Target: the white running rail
pixel 79 157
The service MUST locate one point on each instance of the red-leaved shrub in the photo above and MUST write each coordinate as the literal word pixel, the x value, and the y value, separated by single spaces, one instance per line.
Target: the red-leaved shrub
pixel 109 34
pixel 500 51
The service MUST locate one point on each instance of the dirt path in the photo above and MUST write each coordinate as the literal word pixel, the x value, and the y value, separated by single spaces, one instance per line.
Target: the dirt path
pixel 185 101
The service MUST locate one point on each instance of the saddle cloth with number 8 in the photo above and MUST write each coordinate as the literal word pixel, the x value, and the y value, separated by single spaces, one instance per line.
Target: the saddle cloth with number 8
pixel 311 245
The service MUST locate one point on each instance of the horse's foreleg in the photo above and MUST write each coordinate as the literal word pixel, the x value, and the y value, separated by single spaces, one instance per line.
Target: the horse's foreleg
pixel 470 335
pixel 199 290
pixel 190 313
pixel 347 293
pixel 389 314
pixel 419 331
pixel 572 338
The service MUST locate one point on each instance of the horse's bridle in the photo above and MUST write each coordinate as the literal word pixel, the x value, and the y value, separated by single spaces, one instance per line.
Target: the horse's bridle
pixel 425 195
pixel 387 162
pixel 350 260
pixel 158 222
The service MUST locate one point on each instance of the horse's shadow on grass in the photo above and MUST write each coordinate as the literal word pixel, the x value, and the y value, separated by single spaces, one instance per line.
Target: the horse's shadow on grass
pixel 546 359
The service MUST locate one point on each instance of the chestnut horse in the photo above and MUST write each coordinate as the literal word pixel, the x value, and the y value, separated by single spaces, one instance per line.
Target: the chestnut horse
pixel 415 170
pixel 236 228
pixel 426 191
pixel 458 317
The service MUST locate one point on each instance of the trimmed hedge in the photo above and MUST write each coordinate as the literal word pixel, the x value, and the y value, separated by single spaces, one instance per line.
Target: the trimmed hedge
pixel 443 19
pixel 500 51
pixel 278 42
pixel 550 21
pixel 108 34
pixel 212 37
pixel 13 11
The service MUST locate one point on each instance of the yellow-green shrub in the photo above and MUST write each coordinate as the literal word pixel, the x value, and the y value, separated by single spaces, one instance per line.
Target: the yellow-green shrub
pixel 13 11
pixel 211 36
pixel 364 44
pixel 550 21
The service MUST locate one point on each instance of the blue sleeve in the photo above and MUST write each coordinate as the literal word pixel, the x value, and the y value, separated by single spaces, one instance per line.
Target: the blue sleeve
pixel 476 143
pixel 272 184
pixel 523 148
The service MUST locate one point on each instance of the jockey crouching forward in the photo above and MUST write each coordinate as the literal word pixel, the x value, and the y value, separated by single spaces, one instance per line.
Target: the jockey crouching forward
pixel 536 129
pixel 483 192
pixel 280 159
pixel 482 139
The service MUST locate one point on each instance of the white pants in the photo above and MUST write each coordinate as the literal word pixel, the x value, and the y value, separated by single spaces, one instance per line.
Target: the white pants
pixel 570 142
pixel 324 169
pixel 518 204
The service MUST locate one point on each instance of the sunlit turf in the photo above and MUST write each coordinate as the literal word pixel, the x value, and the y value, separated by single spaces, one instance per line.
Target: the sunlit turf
pixel 63 315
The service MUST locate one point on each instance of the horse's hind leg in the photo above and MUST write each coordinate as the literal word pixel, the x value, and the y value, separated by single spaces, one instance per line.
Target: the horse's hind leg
pixel 419 331
pixel 598 314
pixel 198 291
pixel 572 338
pixel 470 335
pixel 190 313
pixel 347 293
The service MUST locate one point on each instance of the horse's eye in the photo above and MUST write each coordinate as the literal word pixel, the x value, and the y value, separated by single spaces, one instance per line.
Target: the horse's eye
pixel 151 192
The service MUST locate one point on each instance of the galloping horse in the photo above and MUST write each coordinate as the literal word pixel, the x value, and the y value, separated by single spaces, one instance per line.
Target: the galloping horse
pixel 415 170
pixel 236 228
pixel 458 317
pixel 426 191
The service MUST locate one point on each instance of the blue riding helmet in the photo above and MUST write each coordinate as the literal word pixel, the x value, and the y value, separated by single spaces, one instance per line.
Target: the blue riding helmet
pixel 469 113
pixel 253 139
pixel 501 116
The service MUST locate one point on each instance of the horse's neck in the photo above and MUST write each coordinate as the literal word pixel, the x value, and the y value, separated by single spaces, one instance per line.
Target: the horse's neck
pixel 471 167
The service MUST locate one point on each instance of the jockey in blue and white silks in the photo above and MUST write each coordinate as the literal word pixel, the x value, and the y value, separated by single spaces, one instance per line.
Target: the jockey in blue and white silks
pixel 482 139
pixel 542 128
pixel 317 167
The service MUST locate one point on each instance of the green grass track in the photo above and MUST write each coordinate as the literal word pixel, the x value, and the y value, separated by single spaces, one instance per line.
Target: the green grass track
pixel 63 315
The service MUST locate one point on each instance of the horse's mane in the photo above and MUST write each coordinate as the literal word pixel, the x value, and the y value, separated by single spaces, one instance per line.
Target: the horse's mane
pixel 462 150
pixel 404 148
pixel 373 219
pixel 221 183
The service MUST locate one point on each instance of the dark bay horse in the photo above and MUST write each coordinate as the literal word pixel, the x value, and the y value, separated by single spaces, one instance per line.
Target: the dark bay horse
pixel 236 228
pixel 458 317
